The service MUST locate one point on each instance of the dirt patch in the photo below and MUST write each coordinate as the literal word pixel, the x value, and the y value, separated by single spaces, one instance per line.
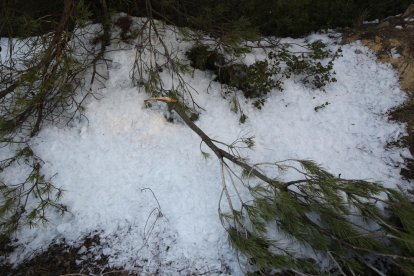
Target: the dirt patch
pixel 393 41
pixel 87 258
pixel 62 259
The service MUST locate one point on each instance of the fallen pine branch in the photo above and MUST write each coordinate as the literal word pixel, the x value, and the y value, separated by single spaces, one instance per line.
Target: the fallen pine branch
pixel 354 224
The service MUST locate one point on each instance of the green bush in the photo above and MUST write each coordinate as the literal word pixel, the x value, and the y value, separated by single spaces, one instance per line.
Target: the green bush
pixel 258 79
pixel 299 17
pixel 270 17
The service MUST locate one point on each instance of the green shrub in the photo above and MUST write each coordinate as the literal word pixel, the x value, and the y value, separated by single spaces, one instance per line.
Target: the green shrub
pixel 223 18
pixel 204 59
pixel 299 17
pixel 258 79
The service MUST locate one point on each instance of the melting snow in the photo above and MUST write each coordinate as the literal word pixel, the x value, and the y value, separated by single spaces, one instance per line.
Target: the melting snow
pixel 143 183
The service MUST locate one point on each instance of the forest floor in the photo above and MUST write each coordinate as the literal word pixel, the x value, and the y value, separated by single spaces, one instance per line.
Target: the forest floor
pixel 62 259
pixel 391 39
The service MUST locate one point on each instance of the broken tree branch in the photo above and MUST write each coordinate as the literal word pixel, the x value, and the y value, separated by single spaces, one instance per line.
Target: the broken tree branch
pixel 294 205
pixel 220 153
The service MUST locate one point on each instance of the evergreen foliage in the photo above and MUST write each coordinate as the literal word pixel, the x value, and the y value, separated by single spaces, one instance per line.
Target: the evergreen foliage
pixel 298 17
pixel 313 66
pixel 339 219
pixel 41 82
pixel 29 18
pixel 221 18
pixel 16 208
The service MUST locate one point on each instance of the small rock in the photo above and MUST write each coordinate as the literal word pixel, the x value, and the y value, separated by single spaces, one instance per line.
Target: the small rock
pixel 409 11
pixel 377 39
pixel 394 53
pixel 82 250
pixel 383 24
pixel 376 21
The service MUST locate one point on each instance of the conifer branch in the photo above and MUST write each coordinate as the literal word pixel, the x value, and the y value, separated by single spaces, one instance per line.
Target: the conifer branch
pixel 293 205
pixel 220 153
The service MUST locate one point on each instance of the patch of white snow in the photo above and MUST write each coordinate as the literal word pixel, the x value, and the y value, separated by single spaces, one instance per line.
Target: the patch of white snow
pixel 143 183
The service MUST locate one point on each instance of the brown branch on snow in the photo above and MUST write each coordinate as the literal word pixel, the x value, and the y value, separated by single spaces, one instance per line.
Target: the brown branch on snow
pixel 220 153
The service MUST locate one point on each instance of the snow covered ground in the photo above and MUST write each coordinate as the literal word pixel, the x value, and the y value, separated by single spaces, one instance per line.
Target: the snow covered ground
pixel 143 184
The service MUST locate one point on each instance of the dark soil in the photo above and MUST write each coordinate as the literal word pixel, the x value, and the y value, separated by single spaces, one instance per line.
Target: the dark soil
pixel 62 259
pixel 406 114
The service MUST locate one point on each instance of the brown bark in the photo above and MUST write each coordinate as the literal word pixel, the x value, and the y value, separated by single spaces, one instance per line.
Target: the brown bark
pixel 220 153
